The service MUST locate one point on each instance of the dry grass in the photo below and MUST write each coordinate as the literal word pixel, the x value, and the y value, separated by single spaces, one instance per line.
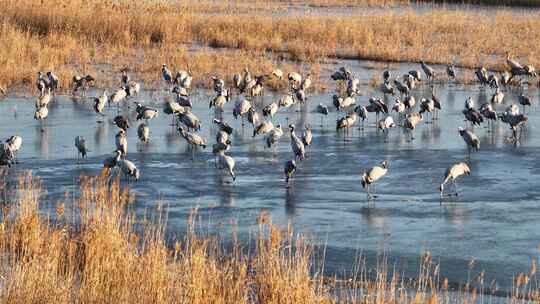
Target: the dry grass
pixel 98 252
pixel 101 37
pixel 103 260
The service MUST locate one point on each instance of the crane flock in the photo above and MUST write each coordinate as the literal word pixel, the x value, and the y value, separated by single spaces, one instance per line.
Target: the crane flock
pixel 248 88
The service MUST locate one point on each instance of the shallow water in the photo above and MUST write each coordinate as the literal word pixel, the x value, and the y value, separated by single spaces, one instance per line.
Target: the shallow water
pixel 362 10
pixel 494 220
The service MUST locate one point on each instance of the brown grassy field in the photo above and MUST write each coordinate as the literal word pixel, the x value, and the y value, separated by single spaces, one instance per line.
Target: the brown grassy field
pixel 93 253
pixel 102 37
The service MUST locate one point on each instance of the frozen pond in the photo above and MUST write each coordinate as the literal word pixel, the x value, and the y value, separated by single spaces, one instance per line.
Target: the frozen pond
pixel 494 221
pixel 346 11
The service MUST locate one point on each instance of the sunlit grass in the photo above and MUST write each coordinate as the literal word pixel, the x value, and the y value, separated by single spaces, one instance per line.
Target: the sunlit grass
pixel 97 251
pixel 85 36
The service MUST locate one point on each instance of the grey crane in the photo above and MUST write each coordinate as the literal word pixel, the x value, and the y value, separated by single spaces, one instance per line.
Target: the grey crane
pixel 482 76
pixel 121 122
pixel 524 101
pixel 82 149
pixel 353 85
pixel 6 155
pixel 133 88
pixel 219 147
pixel 166 74
pixel 44 99
pixel 14 143
pixel 81 84
pixel 323 110
pixel 121 143
pixel 306 82
pixel 399 107
pixel 453 173
pixel 193 139
pixel 41 114
pixel 191 121
pixel 386 76
pixel 427 105
pixel 371 176
pixel 118 96
pixel 410 81
pixel 222 137
pixel 377 105
pixel 514 64
pixel 429 71
pixel 470 139
pixel 278 73
pixel 385 125
pixel 125 79
pixel 183 100
pixel 416 74
pixel 218 102
pixel 488 113
pixel 272 139
pixel 289 170
pixel 497 97
pixel 99 104
pixel 343 103
pixel 341 74
pixel 54 82
pixel 295 79
pixel 307 137
pixel 297 145
pixel 451 72
pixel 180 78
pixel 402 88
pixel 180 92
pixel 173 108
pixel 143 132
pixel 409 102
pixel 473 116
pixel 226 162
pixel 129 169
pixel 270 110
pixel 263 128
pixel 362 113
pixel 146 113
pixel 41 84
pixel 346 122
pixel 386 88
pixel 223 125
pixel 516 121
pixel 253 117
pixel 241 108
pixel 300 95
pixel 493 81
pixel 411 121
pixel 286 101
pixel 505 78
pixel 469 103
pixel 111 161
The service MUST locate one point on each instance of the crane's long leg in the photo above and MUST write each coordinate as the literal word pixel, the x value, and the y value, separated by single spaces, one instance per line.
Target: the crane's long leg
pixel 367 192
pixel 455 188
